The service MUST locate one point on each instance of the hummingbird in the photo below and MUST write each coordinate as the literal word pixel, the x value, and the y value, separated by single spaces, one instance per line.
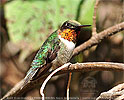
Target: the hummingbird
pixel 56 50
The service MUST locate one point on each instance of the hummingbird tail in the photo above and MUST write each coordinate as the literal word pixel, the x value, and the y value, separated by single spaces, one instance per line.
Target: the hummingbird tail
pixel 30 74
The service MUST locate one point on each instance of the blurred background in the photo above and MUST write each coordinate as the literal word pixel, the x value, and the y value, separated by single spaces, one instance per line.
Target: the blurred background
pixel 24 26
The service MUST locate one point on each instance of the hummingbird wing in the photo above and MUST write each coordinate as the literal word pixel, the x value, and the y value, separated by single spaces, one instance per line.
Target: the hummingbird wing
pixel 46 54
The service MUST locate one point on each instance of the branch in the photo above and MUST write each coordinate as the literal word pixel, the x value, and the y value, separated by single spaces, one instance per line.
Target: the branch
pixel 115 93
pixel 95 39
pixel 95 66
pixel 90 66
pixel 49 77
pixel 94 18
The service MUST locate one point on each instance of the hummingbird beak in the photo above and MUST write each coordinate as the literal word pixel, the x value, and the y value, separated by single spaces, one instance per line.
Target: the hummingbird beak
pixel 83 26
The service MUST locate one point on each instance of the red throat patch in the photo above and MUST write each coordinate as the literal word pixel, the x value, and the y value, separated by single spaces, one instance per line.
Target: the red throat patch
pixel 68 34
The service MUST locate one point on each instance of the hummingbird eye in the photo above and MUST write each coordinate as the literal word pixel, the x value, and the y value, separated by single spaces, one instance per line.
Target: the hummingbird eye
pixel 67 25
pixel 70 26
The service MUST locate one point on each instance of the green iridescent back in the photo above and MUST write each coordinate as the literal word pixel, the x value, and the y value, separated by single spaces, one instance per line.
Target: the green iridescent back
pixel 49 44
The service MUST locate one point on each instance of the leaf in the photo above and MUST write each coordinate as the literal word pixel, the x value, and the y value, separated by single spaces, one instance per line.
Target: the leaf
pixel 30 22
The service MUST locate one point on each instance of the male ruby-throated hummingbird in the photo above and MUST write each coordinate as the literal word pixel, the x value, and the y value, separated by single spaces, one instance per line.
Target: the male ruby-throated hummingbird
pixel 57 49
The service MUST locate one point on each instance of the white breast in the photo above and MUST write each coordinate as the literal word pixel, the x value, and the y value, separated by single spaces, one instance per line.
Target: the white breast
pixel 70 45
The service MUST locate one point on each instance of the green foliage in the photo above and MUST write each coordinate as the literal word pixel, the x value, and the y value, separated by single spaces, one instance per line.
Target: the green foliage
pixel 86 14
pixel 31 21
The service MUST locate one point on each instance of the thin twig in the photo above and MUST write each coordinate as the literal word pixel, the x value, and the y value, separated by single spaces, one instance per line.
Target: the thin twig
pixel 89 66
pixel 69 81
pixel 49 77
pixel 94 18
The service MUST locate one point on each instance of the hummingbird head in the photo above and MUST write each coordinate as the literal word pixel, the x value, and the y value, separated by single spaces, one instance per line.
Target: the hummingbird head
pixel 70 30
